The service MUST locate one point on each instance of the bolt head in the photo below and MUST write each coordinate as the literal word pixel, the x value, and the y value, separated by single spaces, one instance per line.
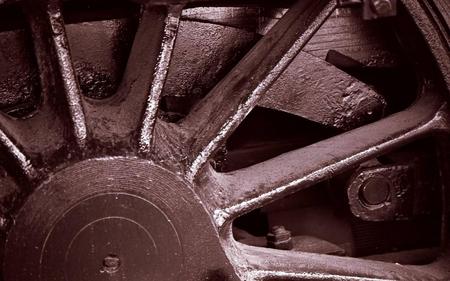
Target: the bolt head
pixel 375 191
pixel 111 264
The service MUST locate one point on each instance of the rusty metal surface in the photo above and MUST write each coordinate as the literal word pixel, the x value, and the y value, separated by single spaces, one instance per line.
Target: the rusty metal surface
pixel 402 190
pixel 266 61
pixel 98 65
pixel 96 187
pixel 303 167
pixel 335 99
pixel 14 91
pixel 281 265
pixel 345 31
pixel 133 89
pixel 171 25
pixel 382 193
pixel 201 57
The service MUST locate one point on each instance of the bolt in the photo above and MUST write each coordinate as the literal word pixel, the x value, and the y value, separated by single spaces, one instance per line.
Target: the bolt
pixel 279 238
pixel 382 7
pixel 111 264
pixel 375 191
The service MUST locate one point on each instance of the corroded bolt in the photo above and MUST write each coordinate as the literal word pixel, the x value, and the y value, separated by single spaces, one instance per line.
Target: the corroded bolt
pixel 279 238
pixel 375 191
pixel 111 264
pixel 382 7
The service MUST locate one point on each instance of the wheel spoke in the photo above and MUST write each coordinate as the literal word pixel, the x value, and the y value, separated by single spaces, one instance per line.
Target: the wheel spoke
pixel 67 74
pixel 159 78
pixel 326 94
pixel 221 111
pixel 268 264
pixel 16 162
pixel 51 25
pixel 118 119
pixel 59 121
pixel 244 190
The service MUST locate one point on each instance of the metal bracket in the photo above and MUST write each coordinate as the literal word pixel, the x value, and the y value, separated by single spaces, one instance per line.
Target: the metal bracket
pixel 391 192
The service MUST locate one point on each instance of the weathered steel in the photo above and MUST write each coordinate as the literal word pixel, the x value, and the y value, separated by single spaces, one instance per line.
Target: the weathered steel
pixel 393 183
pixel 100 57
pixel 267 264
pixel 125 110
pixel 123 207
pixel 170 33
pixel 345 31
pixel 102 218
pixel 53 130
pixel 324 94
pixel 16 159
pixel 252 19
pixel 17 94
pixel 201 56
pixel 250 188
pixel 69 81
pixel 221 111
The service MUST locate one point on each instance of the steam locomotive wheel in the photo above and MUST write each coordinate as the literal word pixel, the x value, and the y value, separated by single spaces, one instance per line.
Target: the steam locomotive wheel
pixel 111 191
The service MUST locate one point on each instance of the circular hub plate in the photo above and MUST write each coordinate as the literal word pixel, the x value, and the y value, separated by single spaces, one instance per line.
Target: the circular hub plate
pixel 114 219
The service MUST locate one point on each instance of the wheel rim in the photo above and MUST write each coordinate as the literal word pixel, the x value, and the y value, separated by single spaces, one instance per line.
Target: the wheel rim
pixel 85 133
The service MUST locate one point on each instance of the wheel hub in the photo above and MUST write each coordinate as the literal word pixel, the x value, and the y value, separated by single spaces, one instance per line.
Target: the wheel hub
pixel 113 218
